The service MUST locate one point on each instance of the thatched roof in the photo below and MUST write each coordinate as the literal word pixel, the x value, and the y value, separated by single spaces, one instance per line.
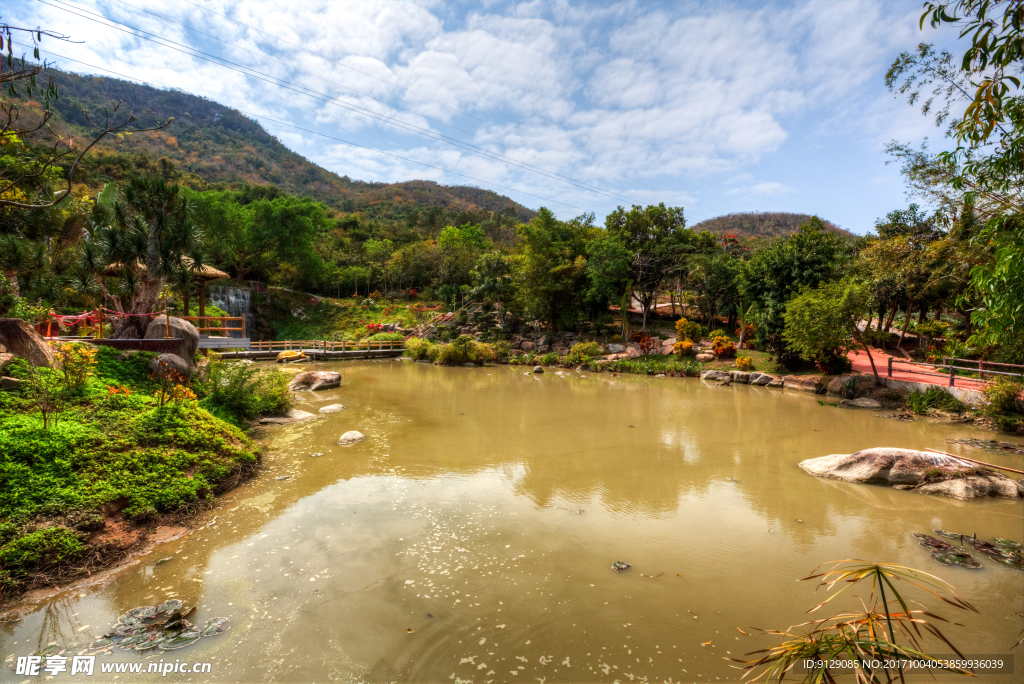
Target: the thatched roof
pixel 207 272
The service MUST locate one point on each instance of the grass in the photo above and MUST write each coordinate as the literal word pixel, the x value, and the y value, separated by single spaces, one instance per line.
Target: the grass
pixel 934 398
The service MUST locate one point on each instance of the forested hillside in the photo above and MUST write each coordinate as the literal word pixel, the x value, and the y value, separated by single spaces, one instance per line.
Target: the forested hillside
pixel 761 224
pixel 220 145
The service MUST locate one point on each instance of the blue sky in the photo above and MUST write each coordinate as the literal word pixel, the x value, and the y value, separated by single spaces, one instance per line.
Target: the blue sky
pixel 718 107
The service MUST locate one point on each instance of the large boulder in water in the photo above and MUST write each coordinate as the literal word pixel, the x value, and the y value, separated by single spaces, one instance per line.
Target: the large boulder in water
pixel 921 471
pixel 22 340
pixel 315 380
pixel 160 327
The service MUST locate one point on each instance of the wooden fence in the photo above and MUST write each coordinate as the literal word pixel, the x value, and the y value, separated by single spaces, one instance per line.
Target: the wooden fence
pixel 224 328
pixel 328 345
pixel 982 368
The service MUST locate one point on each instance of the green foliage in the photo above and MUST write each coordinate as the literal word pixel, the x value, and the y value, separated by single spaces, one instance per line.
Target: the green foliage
pixel 923 402
pixel 387 337
pixel 1000 287
pixel 776 274
pixel 418 348
pixel 744 363
pixel 17 368
pixel 582 352
pixel 549 359
pixel 131 370
pixel 1004 405
pixel 554 267
pixel 717 332
pixel 821 323
pixel 651 367
pixel 40 550
pixel 241 392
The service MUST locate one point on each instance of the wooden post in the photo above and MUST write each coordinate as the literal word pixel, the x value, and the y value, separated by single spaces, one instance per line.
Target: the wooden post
pixel 890 366
pixel 202 299
pixel 952 375
pixel 167 324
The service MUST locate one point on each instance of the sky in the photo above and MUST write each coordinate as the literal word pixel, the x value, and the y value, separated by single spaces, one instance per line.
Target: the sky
pixel 718 107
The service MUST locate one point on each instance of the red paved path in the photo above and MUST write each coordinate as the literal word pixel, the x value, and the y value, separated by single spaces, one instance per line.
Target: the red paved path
pixel 862 365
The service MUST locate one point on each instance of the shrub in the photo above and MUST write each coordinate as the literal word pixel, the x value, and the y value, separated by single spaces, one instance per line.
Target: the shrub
pixel 582 352
pixel 450 355
pixel 745 363
pixel 1004 404
pixel 689 330
pixel 17 368
pixel 747 334
pixel 549 359
pixel 833 362
pixel 418 348
pixel 922 403
pixel 387 337
pixel 683 348
pixel 722 347
pixel 718 332
pixel 244 391
pixel 41 549
pixel 77 363
pixel 484 353
pixel 123 368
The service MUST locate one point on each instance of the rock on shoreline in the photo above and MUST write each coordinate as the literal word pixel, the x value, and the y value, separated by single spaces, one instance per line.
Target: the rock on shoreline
pixel 917 470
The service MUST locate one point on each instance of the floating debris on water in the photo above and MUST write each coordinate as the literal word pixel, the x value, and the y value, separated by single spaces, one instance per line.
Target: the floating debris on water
pixel 947 535
pixel 989 445
pixel 956 558
pixel 137 615
pixel 164 560
pixel 139 630
pixel 316 455
pixel 181 641
pixel 169 606
pixel 283 477
pixel 619 566
pixel 217 625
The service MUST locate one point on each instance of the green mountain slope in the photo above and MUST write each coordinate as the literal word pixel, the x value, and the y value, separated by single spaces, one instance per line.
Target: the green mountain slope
pixel 220 145
pixel 760 224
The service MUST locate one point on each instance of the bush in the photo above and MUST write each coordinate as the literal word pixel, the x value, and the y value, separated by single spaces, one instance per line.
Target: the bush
pixel 549 359
pixel 722 347
pixel 745 363
pixel 77 363
pixel 582 352
pixel 387 337
pixel 243 392
pixel 1004 405
pixel 131 370
pixel 683 348
pixel 922 403
pixel 418 348
pixel 41 549
pixel 484 353
pixel 689 330
pixel 17 368
pixel 718 333
pixel 450 355
pixel 833 362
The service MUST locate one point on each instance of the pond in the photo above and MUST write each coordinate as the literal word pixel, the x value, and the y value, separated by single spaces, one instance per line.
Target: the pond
pixel 471 535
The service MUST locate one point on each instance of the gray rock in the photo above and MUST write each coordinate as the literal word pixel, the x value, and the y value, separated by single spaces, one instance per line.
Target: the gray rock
pixel 804 383
pixel 862 384
pixel 292 416
pixel 351 437
pixel 740 377
pixel 774 382
pixel 862 402
pixel 760 378
pixel 715 375
pixel 21 339
pixel 333 408
pixel 616 348
pixel 164 365
pixel 315 380
pixel 538 369
pixel 7 383
pixel 180 329
pixel 922 471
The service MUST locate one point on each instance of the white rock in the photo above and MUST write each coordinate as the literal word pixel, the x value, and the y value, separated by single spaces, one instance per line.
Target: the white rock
pixel 351 437
pixel 333 408
pixel 293 416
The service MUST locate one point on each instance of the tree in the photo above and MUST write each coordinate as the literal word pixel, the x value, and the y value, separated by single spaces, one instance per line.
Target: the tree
pixel 714 279
pixel 776 274
pixel 821 324
pixel 555 266
pixel 495 282
pixel 656 238
pixel 1000 287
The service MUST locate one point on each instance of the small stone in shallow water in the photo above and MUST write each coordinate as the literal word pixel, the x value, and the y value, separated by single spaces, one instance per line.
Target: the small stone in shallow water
pixel 351 437
pixel 164 560
pixel 332 408
pixel 619 566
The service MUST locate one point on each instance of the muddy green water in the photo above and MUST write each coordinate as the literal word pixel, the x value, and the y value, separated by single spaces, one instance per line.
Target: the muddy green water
pixel 447 546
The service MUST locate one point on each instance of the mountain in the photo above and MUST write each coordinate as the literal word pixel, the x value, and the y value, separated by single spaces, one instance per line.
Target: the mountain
pixel 761 224
pixel 218 145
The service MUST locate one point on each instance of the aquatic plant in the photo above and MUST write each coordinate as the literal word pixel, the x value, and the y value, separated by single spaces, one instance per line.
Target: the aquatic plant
pixel 885 631
pixel 923 402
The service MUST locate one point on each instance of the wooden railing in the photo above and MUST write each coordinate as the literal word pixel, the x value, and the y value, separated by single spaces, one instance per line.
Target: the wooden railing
pixel 222 319
pixel 942 369
pixel 328 345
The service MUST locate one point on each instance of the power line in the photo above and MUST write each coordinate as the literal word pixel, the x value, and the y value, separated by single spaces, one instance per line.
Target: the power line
pixel 441 104
pixel 347 142
pixel 248 71
pixel 264 55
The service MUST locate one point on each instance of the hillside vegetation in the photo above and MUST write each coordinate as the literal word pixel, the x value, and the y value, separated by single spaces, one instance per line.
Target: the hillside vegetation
pixel 216 144
pixel 761 224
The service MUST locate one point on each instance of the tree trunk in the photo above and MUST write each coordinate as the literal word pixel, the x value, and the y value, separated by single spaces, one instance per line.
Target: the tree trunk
pixel 906 323
pixel 881 315
pixel 922 314
pixel 892 315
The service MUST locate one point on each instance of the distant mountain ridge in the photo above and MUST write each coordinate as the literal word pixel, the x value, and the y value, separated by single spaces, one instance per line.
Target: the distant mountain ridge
pixel 761 224
pixel 220 145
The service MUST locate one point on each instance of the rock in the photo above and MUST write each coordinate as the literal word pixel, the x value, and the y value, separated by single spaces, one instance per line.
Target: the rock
pixel 667 349
pixel 862 402
pixel 804 383
pixel 760 378
pixel 774 382
pixel 670 342
pixel 906 468
pixel 292 416
pixel 543 349
pixel 616 348
pixel 315 380
pixel 862 384
pixel 22 340
pixel 165 364
pixel 715 375
pixel 180 329
pixel 704 358
pixel 351 437
pixel 333 408
pixel 7 383
pixel 526 345
pixel 538 369
pixel 633 352
pixel 740 377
